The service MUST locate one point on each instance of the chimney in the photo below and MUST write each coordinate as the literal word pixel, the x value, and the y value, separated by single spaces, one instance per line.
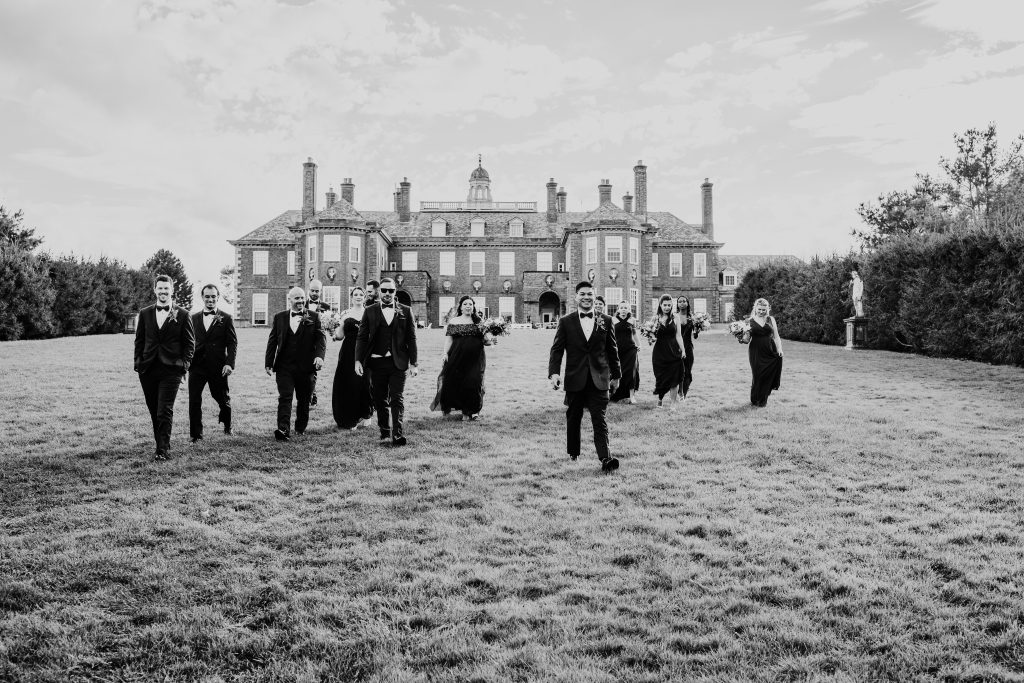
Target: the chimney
pixel 331 197
pixel 561 200
pixel 604 192
pixel 640 174
pixel 308 189
pixel 348 191
pixel 627 203
pixel 403 202
pixel 709 223
pixel 552 201
pixel 398 200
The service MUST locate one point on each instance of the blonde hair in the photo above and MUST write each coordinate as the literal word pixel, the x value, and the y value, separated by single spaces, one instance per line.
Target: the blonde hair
pixel 766 305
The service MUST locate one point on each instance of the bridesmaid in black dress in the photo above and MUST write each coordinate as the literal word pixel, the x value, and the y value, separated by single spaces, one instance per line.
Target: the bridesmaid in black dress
pixel 628 338
pixel 460 386
pixel 350 398
pixel 765 353
pixel 667 356
pixel 684 318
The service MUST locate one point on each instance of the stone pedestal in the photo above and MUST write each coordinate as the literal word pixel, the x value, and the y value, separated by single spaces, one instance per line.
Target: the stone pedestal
pixel 856 332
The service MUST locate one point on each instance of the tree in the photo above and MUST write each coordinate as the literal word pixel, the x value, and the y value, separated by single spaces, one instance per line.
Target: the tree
pixel 227 284
pixel 26 295
pixel 12 234
pixel 164 262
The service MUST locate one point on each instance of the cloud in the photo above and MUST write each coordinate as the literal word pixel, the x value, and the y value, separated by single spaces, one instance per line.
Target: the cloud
pixel 991 21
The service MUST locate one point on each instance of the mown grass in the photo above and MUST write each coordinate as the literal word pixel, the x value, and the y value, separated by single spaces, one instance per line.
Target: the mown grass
pixel 867 525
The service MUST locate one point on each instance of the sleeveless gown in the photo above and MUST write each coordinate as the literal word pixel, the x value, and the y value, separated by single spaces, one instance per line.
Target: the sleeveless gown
pixel 688 336
pixel 350 399
pixel 765 363
pixel 628 360
pixel 460 385
pixel 667 360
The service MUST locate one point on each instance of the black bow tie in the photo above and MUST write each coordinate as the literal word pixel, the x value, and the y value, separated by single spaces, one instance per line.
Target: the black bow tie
pixel 163 308
pixel 209 312
pixel 387 305
pixel 586 315
pixel 296 315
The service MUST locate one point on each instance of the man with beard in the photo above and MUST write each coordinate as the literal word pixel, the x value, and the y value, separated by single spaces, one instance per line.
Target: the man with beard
pixel 213 362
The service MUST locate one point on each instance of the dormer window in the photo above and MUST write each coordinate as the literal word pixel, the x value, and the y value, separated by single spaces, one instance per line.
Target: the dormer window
pixel 515 227
pixel 476 228
pixel 438 227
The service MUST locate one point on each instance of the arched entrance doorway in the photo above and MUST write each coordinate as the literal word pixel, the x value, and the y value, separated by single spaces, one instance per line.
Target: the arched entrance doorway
pixel 549 307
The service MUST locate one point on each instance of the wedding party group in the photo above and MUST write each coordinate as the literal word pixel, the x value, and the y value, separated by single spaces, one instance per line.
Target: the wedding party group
pixel 379 351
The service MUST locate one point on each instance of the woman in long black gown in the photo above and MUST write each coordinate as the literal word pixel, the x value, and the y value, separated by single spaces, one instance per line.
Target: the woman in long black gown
pixel 350 397
pixel 765 353
pixel 628 339
pixel 667 356
pixel 460 385
pixel 684 318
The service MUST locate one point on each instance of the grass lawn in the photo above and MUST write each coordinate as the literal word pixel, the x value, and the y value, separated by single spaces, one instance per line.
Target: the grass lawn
pixel 866 525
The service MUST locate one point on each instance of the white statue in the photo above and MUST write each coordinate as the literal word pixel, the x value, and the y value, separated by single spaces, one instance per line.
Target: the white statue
pixel 858 294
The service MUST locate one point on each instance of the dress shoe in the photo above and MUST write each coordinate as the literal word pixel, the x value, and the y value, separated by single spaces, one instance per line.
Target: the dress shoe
pixel 280 436
pixel 385 435
pixel 300 432
pixel 574 458
pixel 609 464
pixel 399 441
pixel 312 401
pixel 161 454
pixel 228 431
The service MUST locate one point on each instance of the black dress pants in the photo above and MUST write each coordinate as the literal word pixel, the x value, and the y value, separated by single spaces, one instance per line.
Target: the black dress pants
pixel 596 401
pixel 293 383
pixel 387 384
pixel 197 380
pixel 160 386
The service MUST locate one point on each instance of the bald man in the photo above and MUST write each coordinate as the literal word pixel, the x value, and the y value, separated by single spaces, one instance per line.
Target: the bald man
pixel 295 351
pixel 315 304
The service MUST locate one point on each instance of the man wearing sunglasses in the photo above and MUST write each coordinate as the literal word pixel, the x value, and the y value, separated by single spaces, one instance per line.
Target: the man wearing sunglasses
pixel 386 348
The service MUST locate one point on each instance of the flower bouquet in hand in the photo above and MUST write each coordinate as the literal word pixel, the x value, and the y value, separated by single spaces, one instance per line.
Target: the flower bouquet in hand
pixel 330 321
pixel 701 323
pixel 498 327
pixel 741 330
pixel 649 330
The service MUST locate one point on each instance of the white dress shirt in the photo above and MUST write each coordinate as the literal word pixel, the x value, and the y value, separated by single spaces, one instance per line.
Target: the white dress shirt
pixel 588 325
pixel 161 317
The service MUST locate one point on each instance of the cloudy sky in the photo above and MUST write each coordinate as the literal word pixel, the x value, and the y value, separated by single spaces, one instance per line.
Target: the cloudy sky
pixel 131 125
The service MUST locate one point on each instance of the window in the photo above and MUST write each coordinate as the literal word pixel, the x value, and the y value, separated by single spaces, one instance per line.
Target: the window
pixel 675 265
pixel 543 260
pixel 729 280
pixel 355 245
pixel 332 248
pixel 700 306
pixel 634 250
pixel 591 250
pixel 332 296
pixel 446 266
pixel 634 300
pixel 476 263
pixel 291 263
pixel 445 304
pixel 561 267
pixel 259 309
pixel 654 264
pixel 410 260
pixel 654 306
pixel 476 228
pixel 382 253
pixel 310 248
pixel 613 249
pixel 507 307
pixel 729 307
pixel 700 264
pixel 392 265
pixel 438 227
pixel 612 297
pixel 507 263
pixel 481 305
pixel 515 227
pixel 259 262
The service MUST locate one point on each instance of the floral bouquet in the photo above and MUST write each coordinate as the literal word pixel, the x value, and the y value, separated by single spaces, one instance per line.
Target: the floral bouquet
pixel 701 322
pixel 649 330
pixel 741 330
pixel 330 321
pixel 498 327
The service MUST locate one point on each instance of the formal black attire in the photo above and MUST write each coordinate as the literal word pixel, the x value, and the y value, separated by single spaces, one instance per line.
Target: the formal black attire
pixel 292 357
pixel 350 400
pixel 765 362
pixel 317 307
pixel 460 385
pixel 215 348
pixel 689 334
pixel 625 339
pixel 667 360
pixel 162 357
pixel 386 351
pixel 590 364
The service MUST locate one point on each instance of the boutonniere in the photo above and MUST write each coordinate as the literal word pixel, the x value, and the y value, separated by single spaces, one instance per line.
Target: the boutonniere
pixel 217 319
pixel 599 325
pixel 172 315
pixel 306 320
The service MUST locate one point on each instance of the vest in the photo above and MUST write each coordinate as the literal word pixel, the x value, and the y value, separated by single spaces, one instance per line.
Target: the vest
pixel 290 350
pixel 382 340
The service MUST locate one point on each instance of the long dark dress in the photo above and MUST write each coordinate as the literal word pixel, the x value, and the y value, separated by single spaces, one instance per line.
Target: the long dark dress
pixel 765 363
pixel 628 359
pixel 460 386
pixel 350 398
pixel 667 360
pixel 688 336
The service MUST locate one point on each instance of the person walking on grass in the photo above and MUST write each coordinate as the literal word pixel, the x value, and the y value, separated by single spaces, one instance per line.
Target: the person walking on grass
pixel 668 354
pixel 164 345
pixel 213 362
pixel 316 305
pixel 765 354
pixel 295 352
pixel 587 340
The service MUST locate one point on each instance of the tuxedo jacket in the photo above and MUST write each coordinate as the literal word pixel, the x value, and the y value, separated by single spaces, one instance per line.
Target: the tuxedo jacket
pixel 403 335
pixel 598 356
pixel 310 342
pixel 173 344
pixel 215 347
pixel 318 306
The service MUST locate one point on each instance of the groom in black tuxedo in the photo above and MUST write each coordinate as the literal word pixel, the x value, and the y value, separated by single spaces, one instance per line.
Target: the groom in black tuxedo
pixel 295 351
pixel 214 361
pixel 386 347
pixel 587 339
pixel 164 344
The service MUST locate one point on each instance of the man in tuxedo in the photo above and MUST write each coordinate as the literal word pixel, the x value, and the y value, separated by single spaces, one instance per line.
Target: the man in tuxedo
pixel 587 339
pixel 295 351
pixel 371 293
pixel 386 348
pixel 213 362
pixel 316 305
pixel 164 344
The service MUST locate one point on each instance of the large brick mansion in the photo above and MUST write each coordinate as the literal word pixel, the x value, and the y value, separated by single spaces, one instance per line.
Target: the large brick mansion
pixel 515 259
